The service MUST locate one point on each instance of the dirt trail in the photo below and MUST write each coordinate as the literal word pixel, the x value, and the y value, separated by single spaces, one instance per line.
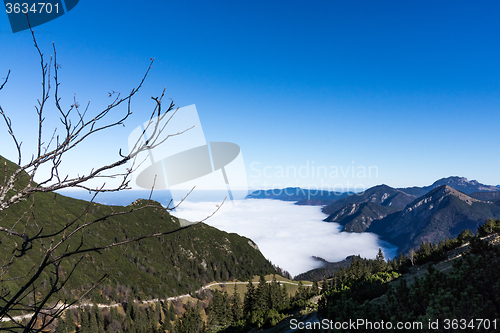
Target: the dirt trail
pixel 83 304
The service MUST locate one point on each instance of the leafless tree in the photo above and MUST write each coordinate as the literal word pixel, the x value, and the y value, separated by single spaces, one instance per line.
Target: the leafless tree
pixel 411 255
pixel 17 184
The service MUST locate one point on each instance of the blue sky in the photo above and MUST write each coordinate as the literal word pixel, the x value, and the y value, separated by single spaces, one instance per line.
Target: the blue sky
pixel 409 87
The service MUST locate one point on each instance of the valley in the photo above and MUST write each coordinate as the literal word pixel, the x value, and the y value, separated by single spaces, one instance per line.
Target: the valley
pixel 195 277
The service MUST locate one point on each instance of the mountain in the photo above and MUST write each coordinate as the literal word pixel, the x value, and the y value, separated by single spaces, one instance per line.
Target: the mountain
pixel 358 217
pixel 486 196
pixel 441 213
pixel 458 183
pixel 303 196
pixel 382 194
pixel 167 265
pixel 328 269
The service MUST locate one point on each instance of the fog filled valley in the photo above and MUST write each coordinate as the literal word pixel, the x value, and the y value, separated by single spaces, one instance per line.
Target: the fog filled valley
pixel 249 167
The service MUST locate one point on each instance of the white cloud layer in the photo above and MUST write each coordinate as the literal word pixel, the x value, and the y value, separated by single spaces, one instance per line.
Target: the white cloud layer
pixel 287 234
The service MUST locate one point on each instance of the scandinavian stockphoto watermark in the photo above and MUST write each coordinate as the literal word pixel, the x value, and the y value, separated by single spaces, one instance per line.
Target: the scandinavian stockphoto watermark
pixel 309 175
pixel 180 159
pixel 369 325
pixel 23 14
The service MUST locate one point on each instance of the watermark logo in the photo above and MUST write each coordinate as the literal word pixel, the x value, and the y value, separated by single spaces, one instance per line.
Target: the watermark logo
pixel 184 160
pixel 24 13
pixel 310 178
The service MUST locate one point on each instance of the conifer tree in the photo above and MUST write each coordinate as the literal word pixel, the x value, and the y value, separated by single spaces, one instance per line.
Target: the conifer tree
pixel 300 293
pixel 84 321
pixel 191 321
pixel 249 301
pixel 285 298
pixel 401 259
pixel 169 316
pixel 134 311
pixel 237 308
pixel 261 294
pixel 324 286
pixel 115 321
pixel 99 318
pixel 315 288
pixel 70 321
pixel 152 322
pixel 273 294
pixel 92 321
pixel 380 264
pixel 61 326
pixel 158 312
pixel 219 309
pixel 171 312
pixel 226 305
pixel 129 322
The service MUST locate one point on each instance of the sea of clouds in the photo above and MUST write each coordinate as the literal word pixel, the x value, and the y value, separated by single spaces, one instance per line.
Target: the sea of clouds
pixel 288 235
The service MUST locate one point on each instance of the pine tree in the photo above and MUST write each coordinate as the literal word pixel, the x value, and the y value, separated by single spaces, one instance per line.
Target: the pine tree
pixel 167 321
pixel 61 326
pixel 487 228
pixel 152 322
pixel 129 322
pixel 315 288
pixel 218 309
pixel 92 320
pixel 261 295
pixel 228 314
pixel 380 264
pixel 249 300
pixel 97 314
pixel 84 321
pixel 158 312
pixel 237 308
pixel 273 294
pixel 69 321
pixel 134 311
pixel 115 321
pixel 285 298
pixel 171 312
pixel 191 322
pixel 300 293
pixel 169 316
pixel 324 286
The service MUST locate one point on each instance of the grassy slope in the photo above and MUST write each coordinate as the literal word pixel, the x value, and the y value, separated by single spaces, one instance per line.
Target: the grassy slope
pixel 165 266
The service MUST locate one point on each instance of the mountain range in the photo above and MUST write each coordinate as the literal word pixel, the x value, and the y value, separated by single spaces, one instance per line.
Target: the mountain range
pixel 357 211
pixel 302 196
pixel 168 265
pixel 442 213
pixel 382 194
pixel 458 183
pixel 406 217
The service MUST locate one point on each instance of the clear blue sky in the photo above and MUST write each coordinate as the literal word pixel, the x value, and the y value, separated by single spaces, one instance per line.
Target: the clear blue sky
pixel 409 87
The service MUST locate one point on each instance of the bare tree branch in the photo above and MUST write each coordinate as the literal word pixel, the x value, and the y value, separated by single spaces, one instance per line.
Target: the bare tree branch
pixel 50 244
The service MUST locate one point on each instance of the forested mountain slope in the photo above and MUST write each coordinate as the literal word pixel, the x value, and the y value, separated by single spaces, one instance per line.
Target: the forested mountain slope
pixel 449 285
pixel 461 184
pixel 382 194
pixel 158 267
pixel 442 213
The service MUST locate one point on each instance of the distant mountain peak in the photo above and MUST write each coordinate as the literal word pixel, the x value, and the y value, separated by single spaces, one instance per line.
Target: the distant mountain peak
pixel 456 180
pixel 442 212
pixel 461 184
pixel 436 196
